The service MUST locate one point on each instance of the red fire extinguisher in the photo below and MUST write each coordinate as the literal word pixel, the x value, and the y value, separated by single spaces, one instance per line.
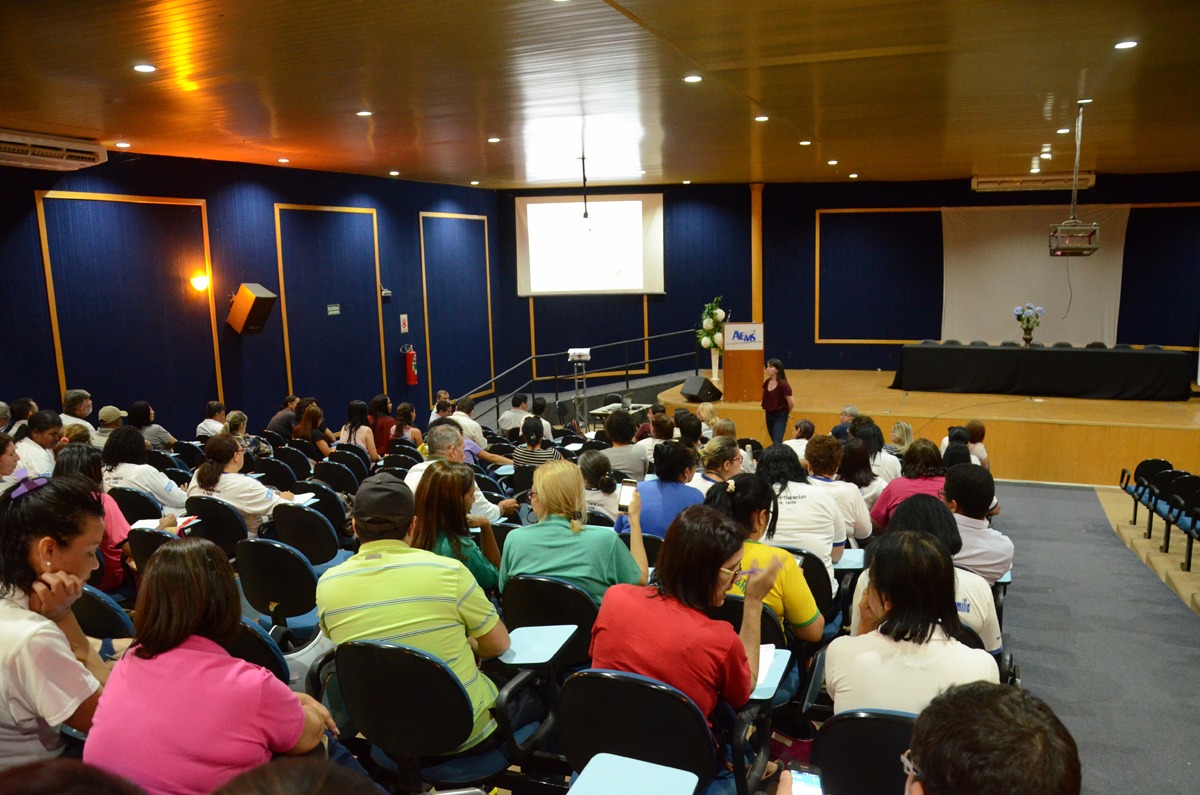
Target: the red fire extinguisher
pixel 410 365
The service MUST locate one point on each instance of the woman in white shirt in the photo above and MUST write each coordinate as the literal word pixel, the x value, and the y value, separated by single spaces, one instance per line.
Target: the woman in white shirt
pixel 808 517
pixel 721 459
pixel 856 468
pixel 824 455
pixel 903 656
pixel 600 490
pixel 38 440
pixel 219 476
pixel 357 430
pixel 885 465
pixel 9 458
pixel 125 464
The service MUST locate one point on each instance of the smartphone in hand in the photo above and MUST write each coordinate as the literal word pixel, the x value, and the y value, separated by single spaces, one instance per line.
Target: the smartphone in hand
pixel 628 489
pixel 806 779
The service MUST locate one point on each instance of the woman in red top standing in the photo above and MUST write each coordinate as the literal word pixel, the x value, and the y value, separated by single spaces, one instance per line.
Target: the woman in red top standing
pixel 777 400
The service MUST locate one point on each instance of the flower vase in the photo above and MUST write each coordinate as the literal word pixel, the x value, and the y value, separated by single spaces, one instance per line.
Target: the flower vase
pixel 1028 337
pixel 716 363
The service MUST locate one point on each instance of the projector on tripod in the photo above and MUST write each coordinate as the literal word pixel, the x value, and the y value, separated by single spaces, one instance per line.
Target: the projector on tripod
pixel 579 354
pixel 1074 239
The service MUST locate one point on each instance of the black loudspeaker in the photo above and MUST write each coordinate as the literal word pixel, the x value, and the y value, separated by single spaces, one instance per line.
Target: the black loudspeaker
pixel 250 308
pixel 698 389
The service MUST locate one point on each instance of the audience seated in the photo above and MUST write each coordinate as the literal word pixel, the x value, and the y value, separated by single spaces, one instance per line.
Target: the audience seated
pixel 749 500
pixel 357 430
pixel 624 455
pixel 179 714
pixel 902 437
pixel 561 545
pixel 9 459
pixel 647 428
pixel 923 513
pixel 708 418
pixel 443 528
pixel 5 416
pixel 49 675
pixel 534 450
pixel 403 428
pixel 235 426
pixel 124 458
pixel 721 460
pixel 383 592
pixel 513 419
pixel 285 419
pixel 77 406
pixel 885 465
pixel 77 433
pixel 669 493
pixel 310 429
pixel 600 490
pixel 688 426
pixel 141 416
pixel 438 410
pixel 842 429
pixel 856 468
pixel 214 419
pixel 471 429
pixel 902 656
pixel 969 491
pixel 38 440
pixel 987 739
pixel 445 442
pixel 807 516
pixel 824 456
pixel 922 472
pixel 379 417
pixel 19 413
pixel 83 461
pixel 975 431
pixel 302 409
pixel 725 427
pixel 801 433
pixel 110 419
pixel 220 476
pixel 662 429
pixel 538 409
pixel 958 436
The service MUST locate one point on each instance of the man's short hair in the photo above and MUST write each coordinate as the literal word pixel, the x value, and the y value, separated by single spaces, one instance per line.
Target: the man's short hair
pixel 73 399
pixel 519 399
pixel 620 426
pixel 465 404
pixel 212 408
pixel 806 429
pixel 972 488
pixel 989 739
pixel 4 413
pixel 444 406
pixel 850 411
pixel 383 508
pixel 538 407
pixel 657 408
pixel 443 437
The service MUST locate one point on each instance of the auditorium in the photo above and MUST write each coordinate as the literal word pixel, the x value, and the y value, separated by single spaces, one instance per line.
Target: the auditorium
pixel 924 222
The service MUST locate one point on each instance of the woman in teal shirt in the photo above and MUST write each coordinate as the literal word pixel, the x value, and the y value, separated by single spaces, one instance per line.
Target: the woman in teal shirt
pixel 443 526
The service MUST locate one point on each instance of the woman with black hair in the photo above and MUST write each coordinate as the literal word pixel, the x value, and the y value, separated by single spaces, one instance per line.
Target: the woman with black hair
pixel 807 516
pixel 141 416
pixel 357 430
pixel 600 490
pixel 38 441
pixel 777 400
pixel 534 450
pixel 749 500
pixel 19 413
pixel 220 476
pixel 406 414
pixel 903 655
pixel 885 465
pixel 9 458
pixel 667 495
pixel 124 458
pixel 922 472
pixel 856 468
pixel 379 417
pixel 50 530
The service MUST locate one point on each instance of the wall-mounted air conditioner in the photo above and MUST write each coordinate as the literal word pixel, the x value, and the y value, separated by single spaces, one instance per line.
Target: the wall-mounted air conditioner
pixel 53 154
pixel 1032 182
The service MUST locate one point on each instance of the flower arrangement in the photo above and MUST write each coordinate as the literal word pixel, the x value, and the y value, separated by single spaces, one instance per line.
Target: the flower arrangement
pixel 712 323
pixel 1029 316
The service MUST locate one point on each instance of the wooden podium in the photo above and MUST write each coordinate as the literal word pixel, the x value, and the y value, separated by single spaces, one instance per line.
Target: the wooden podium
pixel 742 378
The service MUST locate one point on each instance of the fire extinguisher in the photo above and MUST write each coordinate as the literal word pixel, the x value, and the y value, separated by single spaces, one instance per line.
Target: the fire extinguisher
pixel 410 365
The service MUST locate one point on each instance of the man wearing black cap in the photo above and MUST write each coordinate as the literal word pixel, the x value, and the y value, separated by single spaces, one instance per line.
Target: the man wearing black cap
pixel 392 591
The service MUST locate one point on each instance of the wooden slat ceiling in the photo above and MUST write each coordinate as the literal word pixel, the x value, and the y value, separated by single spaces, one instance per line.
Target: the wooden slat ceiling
pixel 891 89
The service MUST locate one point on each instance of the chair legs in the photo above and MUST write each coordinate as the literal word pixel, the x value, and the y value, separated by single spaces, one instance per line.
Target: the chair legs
pixel 1149 522
pixel 1187 555
pixel 1166 544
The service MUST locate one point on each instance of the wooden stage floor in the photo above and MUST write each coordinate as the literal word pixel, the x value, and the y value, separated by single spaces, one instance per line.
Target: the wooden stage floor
pixel 1051 440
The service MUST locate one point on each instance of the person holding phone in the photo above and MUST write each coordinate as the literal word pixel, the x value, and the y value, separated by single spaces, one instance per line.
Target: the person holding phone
pixel 663 498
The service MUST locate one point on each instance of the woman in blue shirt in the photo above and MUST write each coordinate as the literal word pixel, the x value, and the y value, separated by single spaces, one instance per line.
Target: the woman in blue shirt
pixel 667 495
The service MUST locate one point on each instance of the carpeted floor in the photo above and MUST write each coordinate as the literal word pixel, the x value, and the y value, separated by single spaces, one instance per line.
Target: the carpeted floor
pixel 1103 641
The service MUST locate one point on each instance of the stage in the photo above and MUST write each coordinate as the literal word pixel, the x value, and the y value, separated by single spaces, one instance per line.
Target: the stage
pixel 1049 440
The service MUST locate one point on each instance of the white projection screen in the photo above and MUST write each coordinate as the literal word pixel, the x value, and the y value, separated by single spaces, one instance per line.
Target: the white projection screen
pixel 617 249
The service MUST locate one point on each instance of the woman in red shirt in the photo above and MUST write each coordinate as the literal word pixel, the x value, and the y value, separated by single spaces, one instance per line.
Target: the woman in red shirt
pixel 777 400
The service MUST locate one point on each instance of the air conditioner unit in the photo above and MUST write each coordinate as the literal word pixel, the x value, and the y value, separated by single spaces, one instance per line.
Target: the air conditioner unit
pixel 52 154
pixel 1032 182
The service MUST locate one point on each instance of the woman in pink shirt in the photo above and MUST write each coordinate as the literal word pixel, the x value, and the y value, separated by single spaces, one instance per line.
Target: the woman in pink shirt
pixel 179 714
pixel 921 472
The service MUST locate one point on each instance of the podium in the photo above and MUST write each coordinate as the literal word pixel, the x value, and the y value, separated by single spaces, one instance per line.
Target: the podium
pixel 742 378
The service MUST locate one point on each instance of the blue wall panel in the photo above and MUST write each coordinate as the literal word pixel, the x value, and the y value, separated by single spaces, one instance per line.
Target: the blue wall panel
pixel 1160 278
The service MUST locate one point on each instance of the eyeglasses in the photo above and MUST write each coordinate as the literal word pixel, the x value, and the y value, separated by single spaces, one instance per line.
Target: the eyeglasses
pixel 736 574
pixel 906 762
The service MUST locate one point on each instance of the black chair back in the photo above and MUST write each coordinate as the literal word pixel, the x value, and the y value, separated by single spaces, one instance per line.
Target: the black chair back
pixel 817 577
pixel 160 460
pixel 594 444
pixel 275 473
pixel 143 543
pixel 522 478
pixel 489 483
pixel 273 438
pixel 219 522
pixel 179 477
pixel 339 476
pixel 135 504
pixel 307 530
pixel 308 448
pixel 329 503
pixel 858 752
pixel 501 448
pixel 731 611
pixel 381 681
pixel 351 462
pixel 402 458
pixel 295 459
pixel 536 601
pixel 358 452
pixel 597 519
pixel 276 579
pixel 400 443
pixel 653 545
pixel 254 645
pixel 189 452
pixel 755 445
pixel 636 717
pixel 100 616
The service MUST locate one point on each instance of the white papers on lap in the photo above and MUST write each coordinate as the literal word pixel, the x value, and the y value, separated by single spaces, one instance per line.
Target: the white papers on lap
pixel 305 498
pixel 766 656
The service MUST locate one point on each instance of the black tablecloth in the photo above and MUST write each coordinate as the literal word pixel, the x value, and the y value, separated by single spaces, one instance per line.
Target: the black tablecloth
pixel 1107 374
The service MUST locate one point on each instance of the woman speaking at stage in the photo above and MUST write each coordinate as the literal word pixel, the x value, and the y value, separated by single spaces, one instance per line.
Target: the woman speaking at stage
pixel 777 400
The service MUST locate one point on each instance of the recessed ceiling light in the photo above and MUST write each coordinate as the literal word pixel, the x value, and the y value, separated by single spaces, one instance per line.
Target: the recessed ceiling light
pixel 283 160
pixel 364 113
pixel 1045 155
pixel 493 140
pixel 393 173
pixel 854 176
pixel 1083 102
pixel 474 182
pixel 1064 130
pixel 144 68
pixel 761 118
pixel 687 182
pixel 692 79
pixel 806 143
pixel 1035 171
pixel 1125 45
pixel 123 144
pixel 833 162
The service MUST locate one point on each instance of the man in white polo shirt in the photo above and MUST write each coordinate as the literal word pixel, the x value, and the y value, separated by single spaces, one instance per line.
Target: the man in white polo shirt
pixel 446 443
pixel 77 404
pixel 969 491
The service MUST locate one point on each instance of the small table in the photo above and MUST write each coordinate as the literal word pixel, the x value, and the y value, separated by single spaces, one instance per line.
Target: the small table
pixel 601 414
pixel 608 773
pixel 766 690
pixel 536 645
pixel 504 470
pixel 852 560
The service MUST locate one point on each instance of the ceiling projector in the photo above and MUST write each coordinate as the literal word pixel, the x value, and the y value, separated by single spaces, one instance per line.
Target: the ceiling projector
pixel 1074 239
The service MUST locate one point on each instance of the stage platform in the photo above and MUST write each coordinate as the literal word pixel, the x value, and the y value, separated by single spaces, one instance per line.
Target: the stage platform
pixel 1049 440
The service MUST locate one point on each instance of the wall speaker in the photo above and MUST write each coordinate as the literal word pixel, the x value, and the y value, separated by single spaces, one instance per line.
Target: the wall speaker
pixel 698 389
pixel 250 308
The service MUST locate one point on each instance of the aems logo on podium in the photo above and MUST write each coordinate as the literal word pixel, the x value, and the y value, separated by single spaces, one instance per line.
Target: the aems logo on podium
pixel 743 336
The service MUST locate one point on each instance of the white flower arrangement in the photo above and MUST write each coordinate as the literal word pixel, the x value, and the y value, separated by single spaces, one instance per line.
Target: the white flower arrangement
pixel 1029 316
pixel 712 322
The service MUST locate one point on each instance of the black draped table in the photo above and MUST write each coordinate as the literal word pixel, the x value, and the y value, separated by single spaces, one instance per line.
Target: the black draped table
pixel 1106 374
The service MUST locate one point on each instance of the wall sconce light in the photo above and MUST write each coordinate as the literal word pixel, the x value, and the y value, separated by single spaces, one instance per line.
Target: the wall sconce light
pixel 200 282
